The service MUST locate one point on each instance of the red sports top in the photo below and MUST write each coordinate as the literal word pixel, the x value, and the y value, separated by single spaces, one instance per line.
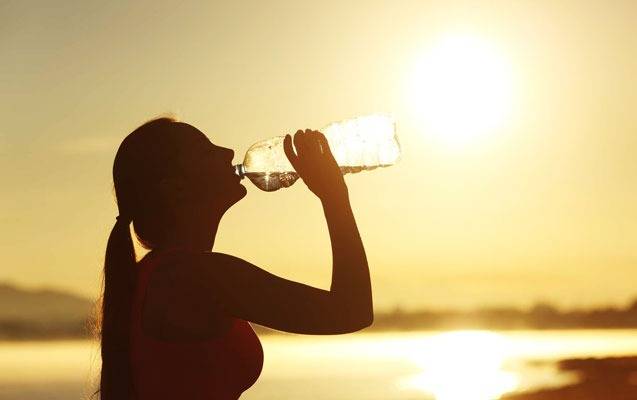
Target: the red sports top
pixel 220 368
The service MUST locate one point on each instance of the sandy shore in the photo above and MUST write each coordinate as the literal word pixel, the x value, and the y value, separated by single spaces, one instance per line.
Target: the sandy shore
pixel 601 379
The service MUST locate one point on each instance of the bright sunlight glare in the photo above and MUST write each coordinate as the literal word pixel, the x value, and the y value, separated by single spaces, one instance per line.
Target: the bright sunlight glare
pixel 461 89
pixel 464 365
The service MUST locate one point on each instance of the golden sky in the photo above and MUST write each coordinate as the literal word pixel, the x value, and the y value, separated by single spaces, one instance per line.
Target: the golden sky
pixel 542 205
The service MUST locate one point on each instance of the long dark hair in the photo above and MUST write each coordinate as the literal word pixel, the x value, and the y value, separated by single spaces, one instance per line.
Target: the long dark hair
pixel 143 158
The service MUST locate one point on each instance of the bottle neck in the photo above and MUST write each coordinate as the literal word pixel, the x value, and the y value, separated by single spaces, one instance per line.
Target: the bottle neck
pixel 240 171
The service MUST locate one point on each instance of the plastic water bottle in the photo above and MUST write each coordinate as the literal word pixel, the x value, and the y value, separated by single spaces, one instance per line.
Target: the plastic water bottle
pixel 359 144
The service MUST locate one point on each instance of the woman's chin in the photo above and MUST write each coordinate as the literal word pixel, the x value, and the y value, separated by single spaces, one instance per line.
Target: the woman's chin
pixel 241 192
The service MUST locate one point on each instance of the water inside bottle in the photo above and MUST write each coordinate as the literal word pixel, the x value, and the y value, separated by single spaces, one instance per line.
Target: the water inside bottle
pixel 271 181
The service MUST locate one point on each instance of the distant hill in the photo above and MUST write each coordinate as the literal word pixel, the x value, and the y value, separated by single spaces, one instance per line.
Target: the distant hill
pixel 53 314
pixel 45 313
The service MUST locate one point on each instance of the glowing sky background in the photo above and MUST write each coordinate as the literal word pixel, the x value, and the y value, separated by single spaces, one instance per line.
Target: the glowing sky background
pixel 543 207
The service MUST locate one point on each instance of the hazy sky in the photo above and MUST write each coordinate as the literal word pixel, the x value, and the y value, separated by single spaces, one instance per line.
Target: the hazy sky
pixel 542 206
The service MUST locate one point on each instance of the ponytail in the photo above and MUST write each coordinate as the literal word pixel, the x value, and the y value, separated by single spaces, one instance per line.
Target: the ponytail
pixel 142 160
pixel 119 284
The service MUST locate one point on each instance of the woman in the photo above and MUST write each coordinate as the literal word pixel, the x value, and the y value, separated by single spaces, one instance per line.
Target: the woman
pixel 174 325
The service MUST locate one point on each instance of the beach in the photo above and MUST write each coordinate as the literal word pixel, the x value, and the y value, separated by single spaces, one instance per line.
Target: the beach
pixel 613 378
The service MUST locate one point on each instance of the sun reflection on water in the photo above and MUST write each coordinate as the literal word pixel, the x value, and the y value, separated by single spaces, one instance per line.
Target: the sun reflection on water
pixel 463 365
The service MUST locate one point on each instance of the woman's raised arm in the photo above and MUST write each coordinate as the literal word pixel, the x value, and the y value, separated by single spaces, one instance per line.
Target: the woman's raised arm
pixel 251 293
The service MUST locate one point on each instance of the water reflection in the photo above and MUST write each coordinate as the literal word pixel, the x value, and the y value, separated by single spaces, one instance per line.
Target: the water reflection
pixel 463 365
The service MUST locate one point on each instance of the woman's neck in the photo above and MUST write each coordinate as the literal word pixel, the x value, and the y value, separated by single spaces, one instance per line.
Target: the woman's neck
pixel 194 234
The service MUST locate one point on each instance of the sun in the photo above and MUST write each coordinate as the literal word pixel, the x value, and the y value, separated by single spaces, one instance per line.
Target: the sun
pixel 461 89
pixel 463 365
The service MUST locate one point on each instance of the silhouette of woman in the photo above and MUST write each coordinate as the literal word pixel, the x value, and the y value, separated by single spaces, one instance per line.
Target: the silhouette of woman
pixel 174 325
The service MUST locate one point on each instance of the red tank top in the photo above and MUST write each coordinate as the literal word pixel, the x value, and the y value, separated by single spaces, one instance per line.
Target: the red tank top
pixel 220 368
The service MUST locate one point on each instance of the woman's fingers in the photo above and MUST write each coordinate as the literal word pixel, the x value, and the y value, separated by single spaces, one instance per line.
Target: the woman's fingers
pixel 321 142
pixel 305 149
pixel 289 152
pixel 312 148
pixel 299 144
pixel 314 162
pixel 325 146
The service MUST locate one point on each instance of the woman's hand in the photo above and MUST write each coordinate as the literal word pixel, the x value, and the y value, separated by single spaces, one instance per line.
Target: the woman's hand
pixel 314 163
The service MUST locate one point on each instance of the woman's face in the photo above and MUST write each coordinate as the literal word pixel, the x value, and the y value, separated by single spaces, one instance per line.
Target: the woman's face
pixel 208 171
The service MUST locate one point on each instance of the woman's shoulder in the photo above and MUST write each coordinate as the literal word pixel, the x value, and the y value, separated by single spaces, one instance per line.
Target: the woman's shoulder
pixel 179 300
pixel 195 276
pixel 185 264
pixel 209 281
